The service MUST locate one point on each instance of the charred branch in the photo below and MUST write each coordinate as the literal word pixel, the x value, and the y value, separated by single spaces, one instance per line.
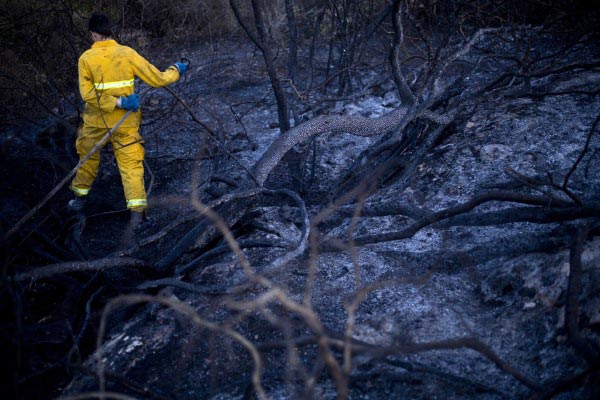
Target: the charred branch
pixel 77 266
pixel 460 209
pixel 587 349
pixel 262 41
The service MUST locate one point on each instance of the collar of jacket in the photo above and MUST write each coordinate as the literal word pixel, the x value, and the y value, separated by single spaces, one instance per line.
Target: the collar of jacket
pixel 104 43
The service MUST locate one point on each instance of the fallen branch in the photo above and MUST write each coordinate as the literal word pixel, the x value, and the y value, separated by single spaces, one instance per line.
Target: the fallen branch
pixel 78 266
pixel 175 283
pixel 461 209
pixel 224 249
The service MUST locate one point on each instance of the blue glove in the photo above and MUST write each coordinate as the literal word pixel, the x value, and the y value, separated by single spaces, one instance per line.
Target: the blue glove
pixel 182 67
pixel 131 102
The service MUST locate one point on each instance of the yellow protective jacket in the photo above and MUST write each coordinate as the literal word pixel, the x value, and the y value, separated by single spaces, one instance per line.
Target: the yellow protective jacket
pixel 106 72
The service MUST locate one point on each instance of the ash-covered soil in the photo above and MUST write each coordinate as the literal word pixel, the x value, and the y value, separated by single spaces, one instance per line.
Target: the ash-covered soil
pixel 488 286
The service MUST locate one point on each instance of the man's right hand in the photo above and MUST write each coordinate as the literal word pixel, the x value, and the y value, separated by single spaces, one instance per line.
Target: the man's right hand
pixel 131 102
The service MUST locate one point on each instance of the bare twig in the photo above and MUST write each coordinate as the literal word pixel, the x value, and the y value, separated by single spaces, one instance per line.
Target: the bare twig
pixel 582 154
pixel 190 313
pixel 210 132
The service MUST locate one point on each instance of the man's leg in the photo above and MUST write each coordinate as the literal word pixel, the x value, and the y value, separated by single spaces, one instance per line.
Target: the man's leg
pixel 129 152
pixel 87 138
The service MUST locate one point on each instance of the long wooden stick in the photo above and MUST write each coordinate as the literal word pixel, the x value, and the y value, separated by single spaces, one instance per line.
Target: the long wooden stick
pixel 35 209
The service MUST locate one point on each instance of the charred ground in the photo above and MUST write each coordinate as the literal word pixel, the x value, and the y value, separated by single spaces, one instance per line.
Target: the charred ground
pixel 427 227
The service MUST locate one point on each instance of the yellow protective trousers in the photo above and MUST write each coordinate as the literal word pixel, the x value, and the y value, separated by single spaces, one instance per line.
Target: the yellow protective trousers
pixel 129 152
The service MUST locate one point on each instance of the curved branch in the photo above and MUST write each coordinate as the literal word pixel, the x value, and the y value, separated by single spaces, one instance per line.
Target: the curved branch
pixel 354 125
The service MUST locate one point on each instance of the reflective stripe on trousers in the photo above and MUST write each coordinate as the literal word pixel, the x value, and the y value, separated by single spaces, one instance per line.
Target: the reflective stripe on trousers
pixel 80 191
pixel 135 203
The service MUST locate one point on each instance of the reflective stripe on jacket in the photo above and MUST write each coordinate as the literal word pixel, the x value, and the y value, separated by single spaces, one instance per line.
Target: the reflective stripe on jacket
pixel 106 72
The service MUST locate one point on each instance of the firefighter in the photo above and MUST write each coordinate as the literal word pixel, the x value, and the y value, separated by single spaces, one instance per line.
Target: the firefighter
pixel 106 84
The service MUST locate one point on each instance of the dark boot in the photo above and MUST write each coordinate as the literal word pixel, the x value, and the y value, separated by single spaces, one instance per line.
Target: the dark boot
pixel 137 219
pixel 76 205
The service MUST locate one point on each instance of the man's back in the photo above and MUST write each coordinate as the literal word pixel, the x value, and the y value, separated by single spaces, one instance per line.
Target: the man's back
pixel 106 72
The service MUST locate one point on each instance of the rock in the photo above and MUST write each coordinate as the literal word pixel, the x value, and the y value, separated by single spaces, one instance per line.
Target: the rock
pixel 390 99
pixel 495 152
pixel 501 286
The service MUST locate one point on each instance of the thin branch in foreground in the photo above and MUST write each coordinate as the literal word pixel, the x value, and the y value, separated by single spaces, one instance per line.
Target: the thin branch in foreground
pixel 177 284
pixel 186 310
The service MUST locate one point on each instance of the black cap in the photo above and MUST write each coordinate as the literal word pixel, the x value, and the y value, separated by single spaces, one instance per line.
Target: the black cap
pixel 100 23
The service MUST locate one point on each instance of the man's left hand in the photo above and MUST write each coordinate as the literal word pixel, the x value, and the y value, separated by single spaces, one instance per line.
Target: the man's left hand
pixel 131 102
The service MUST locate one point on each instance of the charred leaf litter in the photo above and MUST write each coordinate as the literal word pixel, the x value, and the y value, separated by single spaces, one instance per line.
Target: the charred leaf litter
pixel 505 284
